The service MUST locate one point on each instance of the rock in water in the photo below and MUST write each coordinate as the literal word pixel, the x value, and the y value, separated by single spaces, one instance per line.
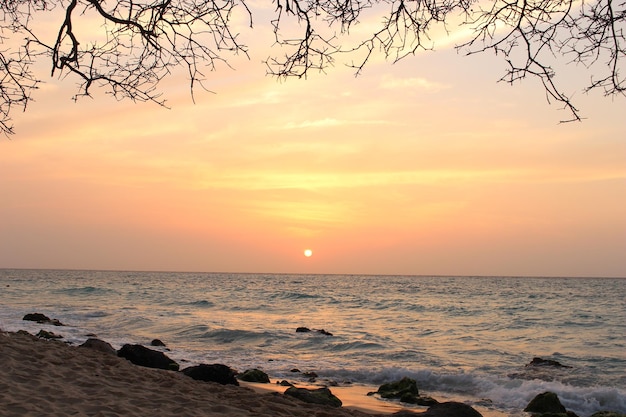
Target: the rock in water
pixel 547 402
pixel 547 362
pixel 157 342
pixel 142 356
pixel 42 319
pixel 255 375
pixel 38 317
pixel 316 396
pixel 219 373
pixel 399 388
pixel 451 409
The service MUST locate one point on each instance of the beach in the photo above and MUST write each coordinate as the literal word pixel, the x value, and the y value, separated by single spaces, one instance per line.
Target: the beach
pixel 50 378
pixel 463 339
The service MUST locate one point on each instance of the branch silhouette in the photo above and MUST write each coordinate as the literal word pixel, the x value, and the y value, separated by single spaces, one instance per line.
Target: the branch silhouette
pixel 141 42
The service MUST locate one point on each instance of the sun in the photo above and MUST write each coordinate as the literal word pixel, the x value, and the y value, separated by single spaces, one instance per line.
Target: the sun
pixel 308 253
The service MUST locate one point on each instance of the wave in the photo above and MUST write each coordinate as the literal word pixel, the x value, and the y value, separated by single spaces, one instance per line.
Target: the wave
pixel 286 295
pixel 201 304
pixel 82 291
pixel 356 346
pixel 202 333
pixel 509 394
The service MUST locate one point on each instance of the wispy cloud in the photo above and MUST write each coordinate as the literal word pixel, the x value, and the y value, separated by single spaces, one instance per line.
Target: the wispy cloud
pixel 329 122
pixel 392 83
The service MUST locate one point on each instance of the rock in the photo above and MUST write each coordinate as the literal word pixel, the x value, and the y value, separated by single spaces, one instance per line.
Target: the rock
pixel 99 345
pixel 547 402
pixel 398 389
pixel 38 317
pixel 307 330
pixel 255 375
pixel 44 334
pixel 285 383
pixel 42 319
pixel 315 396
pixel 143 356
pixel 295 370
pixel 605 413
pixel 421 400
pixel 157 342
pixel 546 362
pixel 310 374
pixel 221 374
pixel 451 409
pixel 406 391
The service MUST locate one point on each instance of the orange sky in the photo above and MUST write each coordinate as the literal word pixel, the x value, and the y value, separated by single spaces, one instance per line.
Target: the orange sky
pixel 428 166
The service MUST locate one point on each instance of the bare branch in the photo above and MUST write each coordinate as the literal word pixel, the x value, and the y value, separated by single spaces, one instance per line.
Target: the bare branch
pixel 141 42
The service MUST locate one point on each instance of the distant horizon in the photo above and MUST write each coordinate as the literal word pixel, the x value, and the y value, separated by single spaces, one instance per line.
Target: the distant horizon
pixel 316 273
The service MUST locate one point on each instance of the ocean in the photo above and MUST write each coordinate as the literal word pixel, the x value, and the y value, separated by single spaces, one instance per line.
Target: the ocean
pixel 461 338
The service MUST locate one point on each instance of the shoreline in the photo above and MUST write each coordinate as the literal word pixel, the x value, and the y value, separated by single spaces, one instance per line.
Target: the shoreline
pixel 50 377
pixel 353 397
pixel 47 377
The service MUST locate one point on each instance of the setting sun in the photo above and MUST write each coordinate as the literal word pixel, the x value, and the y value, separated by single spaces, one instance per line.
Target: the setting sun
pixel 308 252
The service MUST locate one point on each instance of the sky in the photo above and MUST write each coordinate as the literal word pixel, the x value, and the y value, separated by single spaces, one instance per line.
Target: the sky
pixel 428 166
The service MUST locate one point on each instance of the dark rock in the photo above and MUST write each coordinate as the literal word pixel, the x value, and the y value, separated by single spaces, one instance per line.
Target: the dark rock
pixel 255 375
pixel 547 402
pixel 424 401
pixel 307 330
pixel 221 374
pixel 451 409
pixel 143 356
pixel 398 389
pixel 566 414
pixel 157 342
pixel 315 396
pixel 607 414
pixel 285 383
pixel 42 319
pixel 44 334
pixel 38 317
pixel 295 370
pixel 406 391
pixel 310 374
pixel 99 345
pixel 547 362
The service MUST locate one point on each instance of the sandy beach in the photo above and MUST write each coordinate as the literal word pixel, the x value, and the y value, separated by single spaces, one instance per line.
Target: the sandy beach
pixel 50 378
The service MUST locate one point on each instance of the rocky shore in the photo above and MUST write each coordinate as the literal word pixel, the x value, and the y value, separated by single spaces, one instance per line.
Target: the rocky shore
pixel 43 376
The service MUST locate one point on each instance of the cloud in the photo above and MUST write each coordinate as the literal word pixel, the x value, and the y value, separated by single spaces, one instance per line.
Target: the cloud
pixel 392 83
pixel 330 122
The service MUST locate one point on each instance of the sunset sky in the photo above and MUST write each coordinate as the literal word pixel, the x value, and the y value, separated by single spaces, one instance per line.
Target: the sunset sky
pixel 427 166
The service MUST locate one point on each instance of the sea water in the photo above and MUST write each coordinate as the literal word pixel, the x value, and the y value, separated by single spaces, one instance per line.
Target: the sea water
pixel 461 338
